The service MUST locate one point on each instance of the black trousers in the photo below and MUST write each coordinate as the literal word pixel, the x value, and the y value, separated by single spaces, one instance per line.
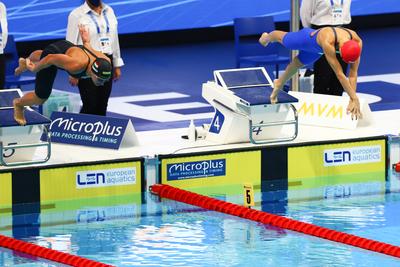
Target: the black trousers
pixel 2 70
pixel 325 80
pixel 94 98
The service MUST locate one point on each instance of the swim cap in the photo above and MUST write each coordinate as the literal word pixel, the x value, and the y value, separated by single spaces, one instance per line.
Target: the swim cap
pixel 350 51
pixel 102 68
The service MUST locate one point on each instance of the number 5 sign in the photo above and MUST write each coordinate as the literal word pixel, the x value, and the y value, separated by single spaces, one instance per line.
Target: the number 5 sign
pixel 248 195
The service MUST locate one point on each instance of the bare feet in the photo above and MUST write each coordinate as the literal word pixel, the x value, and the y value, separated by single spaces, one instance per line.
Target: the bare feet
pixel 21 68
pixel 19 112
pixel 274 95
pixel 264 39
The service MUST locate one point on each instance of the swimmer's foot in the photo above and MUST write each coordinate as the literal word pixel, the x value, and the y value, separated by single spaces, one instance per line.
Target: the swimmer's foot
pixel 19 116
pixel 21 67
pixel 264 39
pixel 274 95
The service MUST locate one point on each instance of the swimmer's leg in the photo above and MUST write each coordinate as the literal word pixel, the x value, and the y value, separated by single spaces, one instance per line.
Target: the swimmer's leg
pixel 274 36
pixel 290 70
pixel 29 99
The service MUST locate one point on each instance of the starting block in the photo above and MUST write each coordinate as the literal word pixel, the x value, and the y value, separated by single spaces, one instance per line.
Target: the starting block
pixel 243 110
pixel 18 143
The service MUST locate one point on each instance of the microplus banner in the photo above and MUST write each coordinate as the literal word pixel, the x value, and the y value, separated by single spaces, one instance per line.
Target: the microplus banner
pixel 91 130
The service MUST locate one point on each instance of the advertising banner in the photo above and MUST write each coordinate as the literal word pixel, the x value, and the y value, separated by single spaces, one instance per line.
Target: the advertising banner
pixel 5 191
pixel 344 163
pixel 92 130
pixel 329 111
pixel 218 173
pixel 90 181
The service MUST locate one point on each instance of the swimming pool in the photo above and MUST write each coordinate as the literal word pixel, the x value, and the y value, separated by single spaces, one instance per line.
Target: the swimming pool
pixel 144 231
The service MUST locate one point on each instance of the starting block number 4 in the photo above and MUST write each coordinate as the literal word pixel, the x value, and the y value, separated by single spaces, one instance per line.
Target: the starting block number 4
pixel 248 195
pixel 217 122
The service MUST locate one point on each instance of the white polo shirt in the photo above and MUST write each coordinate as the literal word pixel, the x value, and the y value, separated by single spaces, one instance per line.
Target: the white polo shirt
pixel 319 12
pixel 101 26
pixel 3 27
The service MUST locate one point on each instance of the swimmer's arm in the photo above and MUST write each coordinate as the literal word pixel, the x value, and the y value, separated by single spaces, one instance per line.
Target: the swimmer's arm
pixel 330 55
pixel 59 60
pixel 354 105
pixel 353 73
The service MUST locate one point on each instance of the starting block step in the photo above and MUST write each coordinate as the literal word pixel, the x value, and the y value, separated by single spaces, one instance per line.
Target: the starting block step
pixel 243 110
pixel 19 143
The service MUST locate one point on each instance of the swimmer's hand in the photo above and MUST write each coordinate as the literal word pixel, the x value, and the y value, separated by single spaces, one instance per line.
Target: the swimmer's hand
pixel 84 33
pixel 73 81
pixel 354 109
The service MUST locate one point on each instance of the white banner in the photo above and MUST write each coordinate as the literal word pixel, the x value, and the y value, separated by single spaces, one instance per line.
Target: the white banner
pixel 328 111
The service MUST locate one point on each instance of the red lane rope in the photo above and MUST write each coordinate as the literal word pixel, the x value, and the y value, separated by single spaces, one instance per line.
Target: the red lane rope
pixel 46 253
pixel 166 191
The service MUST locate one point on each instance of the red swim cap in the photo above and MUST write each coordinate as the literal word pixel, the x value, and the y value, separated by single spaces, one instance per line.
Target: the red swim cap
pixel 350 51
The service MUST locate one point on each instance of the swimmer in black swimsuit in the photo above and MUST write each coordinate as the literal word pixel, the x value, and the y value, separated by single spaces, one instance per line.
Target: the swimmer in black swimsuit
pixel 78 61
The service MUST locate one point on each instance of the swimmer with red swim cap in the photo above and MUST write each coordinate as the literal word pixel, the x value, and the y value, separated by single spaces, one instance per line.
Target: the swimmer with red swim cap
pixel 312 44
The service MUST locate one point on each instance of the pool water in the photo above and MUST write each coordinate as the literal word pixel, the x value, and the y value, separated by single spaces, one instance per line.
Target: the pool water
pixel 167 233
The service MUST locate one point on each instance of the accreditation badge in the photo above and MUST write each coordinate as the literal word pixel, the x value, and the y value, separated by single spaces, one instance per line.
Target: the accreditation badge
pixel 105 44
pixel 337 15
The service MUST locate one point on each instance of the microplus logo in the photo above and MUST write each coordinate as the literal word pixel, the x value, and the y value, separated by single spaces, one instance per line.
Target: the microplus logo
pixel 196 169
pixel 353 155
pixel 93 129
pixel 88 130
pixel 102 178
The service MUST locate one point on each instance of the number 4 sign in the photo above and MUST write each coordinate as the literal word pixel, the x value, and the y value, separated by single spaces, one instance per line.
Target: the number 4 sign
pixel 217 122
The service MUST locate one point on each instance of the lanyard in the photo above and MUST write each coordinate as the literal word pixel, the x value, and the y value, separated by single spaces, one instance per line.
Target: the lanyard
pixel 106 19
pixel 333 4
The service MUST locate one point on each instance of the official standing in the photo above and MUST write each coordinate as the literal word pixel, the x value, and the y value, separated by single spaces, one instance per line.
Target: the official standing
pixel 322 13
pixel 102 24
pixel 3 43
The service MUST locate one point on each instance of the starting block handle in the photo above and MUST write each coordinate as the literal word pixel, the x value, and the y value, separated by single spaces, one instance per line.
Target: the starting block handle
pixel 46 143
pixel 293 122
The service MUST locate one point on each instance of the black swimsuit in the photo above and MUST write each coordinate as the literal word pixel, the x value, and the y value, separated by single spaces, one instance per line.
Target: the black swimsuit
pixel 45 77
pixel 336 42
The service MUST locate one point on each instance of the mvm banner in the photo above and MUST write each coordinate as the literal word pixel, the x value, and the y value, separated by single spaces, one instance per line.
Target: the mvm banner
pixel 329 111
pixel 92 130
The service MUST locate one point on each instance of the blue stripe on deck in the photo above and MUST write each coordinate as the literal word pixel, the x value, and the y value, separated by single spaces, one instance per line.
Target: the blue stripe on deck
pixel 389 92
pixel 145 125
pixel 194 110
pixel 169 101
